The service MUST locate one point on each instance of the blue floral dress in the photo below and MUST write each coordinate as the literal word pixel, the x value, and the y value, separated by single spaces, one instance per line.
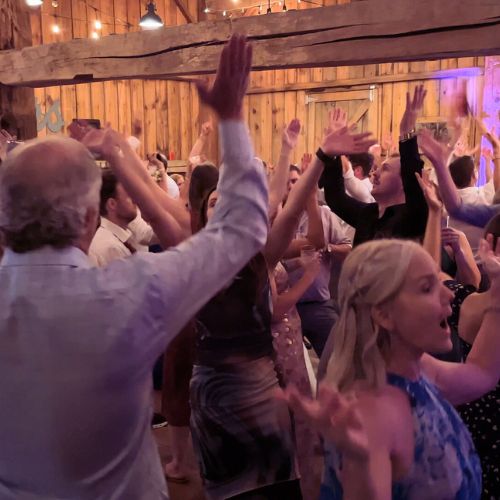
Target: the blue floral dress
pixel 445 465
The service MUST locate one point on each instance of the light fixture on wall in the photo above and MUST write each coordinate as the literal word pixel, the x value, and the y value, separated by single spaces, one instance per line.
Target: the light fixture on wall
pixel 97 24
pixel 34 3
pixel 151 20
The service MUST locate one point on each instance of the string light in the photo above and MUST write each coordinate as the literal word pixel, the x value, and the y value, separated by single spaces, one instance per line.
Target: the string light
pixel 34 3
pixel 224 13
pixel 206 10
pixel 55 4
pixel 94 35
pixel 97 24
pixel 55 29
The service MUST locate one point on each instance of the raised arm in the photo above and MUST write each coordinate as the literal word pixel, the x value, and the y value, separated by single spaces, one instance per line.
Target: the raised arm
pixel 346 207
pixel 277 185
pixel 461 383
pixel 199 145
pixel 356 187
pixel 438 154
pixel 335 143
pixel 115 149
pixel 432 238
pixel 493 139
pixel 178 282
pixel 411 162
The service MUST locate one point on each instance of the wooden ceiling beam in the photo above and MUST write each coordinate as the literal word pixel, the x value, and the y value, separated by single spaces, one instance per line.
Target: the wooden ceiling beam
pixel 365 32
pixel 184 10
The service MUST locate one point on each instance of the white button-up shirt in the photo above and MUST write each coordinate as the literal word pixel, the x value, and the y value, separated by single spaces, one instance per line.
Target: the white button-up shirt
pixel 108 243
pixel 78 343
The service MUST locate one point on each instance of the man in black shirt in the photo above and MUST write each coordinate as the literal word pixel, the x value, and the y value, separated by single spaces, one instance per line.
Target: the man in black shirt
pixel 400 209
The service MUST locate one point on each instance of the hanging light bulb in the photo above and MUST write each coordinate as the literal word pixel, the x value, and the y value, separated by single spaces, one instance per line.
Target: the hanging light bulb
pixel 55 4
pixel 151 20
pixel 34 3
pixel 224 13
pixel 206 10
pixel 94 35
pixel 97 24
pixel 55 29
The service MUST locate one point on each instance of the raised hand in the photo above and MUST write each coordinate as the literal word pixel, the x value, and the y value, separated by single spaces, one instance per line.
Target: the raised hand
pixel 413 108
pixel 430 191
pixel 436 151
pixel 290 135
pixel 337 120
pixel 231 82
pixel 490 135
pixel 207 128
pixel 305 161
pixel 490 257
pixel 105 142
pixel 487 153
pixel 335 417
pixel 78 129
pixel 342 142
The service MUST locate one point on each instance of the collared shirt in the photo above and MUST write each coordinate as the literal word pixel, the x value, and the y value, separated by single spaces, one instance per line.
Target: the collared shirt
pixel 108 243
pixel 319 290
pixel 78 344
pixel 407 220
pixel 358 188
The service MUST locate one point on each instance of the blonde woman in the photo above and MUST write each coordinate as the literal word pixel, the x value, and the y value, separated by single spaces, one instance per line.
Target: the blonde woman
pixel 400 436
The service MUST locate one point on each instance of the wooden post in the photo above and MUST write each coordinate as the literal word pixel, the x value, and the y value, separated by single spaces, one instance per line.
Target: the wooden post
pixel 17 104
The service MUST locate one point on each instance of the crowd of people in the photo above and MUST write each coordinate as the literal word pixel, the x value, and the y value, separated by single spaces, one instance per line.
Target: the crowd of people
pixel 227 281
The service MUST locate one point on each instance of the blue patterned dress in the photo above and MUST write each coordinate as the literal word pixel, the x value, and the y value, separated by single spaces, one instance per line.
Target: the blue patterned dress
pixel 445 465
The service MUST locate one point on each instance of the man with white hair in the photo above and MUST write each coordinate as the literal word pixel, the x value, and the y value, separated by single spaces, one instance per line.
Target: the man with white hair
pixel 78 343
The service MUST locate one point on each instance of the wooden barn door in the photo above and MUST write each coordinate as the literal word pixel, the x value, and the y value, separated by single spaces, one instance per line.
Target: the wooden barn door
pixel 362 107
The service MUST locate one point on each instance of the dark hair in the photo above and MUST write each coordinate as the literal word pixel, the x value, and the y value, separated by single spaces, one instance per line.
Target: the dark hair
pixel 203 178
pixel 294 168
pixel 462 170
pixel 363 160
pixel 493 227
pixel 108 189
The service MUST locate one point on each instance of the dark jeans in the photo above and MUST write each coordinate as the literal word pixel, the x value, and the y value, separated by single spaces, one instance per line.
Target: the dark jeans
pixel 317 320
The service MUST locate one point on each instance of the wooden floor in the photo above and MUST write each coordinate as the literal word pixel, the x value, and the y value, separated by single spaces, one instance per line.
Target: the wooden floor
pixel 191 491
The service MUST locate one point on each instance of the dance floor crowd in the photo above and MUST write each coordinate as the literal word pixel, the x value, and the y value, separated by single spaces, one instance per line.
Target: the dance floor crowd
pixel 219 287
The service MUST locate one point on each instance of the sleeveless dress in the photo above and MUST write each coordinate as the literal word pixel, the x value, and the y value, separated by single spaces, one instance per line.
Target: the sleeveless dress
pixel 482 416
pixel 242 434
pixel 291 367
pixel 445 464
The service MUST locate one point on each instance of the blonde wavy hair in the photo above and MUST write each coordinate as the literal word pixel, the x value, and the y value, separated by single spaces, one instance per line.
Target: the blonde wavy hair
pixel 372 275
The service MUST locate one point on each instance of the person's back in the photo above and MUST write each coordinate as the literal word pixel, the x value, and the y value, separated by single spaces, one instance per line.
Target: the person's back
pixel 75 379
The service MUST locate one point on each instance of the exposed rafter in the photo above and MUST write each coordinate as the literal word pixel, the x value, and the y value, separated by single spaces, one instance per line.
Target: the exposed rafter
pixel 365 32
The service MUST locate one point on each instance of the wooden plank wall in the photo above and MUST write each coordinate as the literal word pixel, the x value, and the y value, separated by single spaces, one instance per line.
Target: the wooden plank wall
pixel 170 111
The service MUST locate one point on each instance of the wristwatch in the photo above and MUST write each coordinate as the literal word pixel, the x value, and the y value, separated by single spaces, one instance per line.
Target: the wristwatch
pixel 409 135
pixel 323 157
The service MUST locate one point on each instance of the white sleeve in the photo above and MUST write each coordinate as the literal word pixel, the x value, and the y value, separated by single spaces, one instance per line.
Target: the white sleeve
pixel 356 188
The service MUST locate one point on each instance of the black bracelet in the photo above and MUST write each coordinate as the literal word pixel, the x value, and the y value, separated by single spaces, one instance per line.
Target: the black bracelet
pixel 323 157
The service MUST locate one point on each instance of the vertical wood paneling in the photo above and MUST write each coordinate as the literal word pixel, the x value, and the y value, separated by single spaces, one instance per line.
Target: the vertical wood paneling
pixel 171 112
